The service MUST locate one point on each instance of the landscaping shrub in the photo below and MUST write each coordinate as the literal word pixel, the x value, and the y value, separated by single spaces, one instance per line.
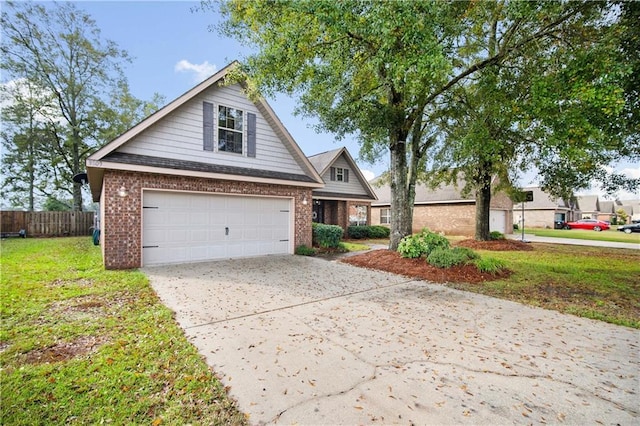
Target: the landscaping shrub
pixel 305 251
pixel 378 231
pixel 496 235
pixel 421 244
pixel 446 258
pixel 361 232
pixel 490 265
pixel 327 236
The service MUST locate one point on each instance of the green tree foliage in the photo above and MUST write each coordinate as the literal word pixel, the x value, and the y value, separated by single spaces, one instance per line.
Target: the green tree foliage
pixel 58 48
pixel 394 74
pixel 25 165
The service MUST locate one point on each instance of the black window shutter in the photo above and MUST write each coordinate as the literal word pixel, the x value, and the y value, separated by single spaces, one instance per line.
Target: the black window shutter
pixel 251 135
pixel 332 170
pixel 346 175
pixel 207 126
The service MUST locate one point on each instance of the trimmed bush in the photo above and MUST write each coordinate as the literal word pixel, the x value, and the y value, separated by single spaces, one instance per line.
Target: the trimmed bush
pixel 496 235
pixel 490 265
pixel 446 258
pixel 378 231
pixel 361 232
pixel 421 244
pixel 305 251
pixel 327 236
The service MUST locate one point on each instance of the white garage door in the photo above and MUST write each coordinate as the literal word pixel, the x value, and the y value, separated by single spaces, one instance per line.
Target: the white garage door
pixel 186 227
pixel 497 220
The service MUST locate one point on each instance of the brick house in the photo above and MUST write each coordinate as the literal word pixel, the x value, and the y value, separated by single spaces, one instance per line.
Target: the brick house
pixel 445 209
pixel 545 211
pixel 347 196
pixel 211 175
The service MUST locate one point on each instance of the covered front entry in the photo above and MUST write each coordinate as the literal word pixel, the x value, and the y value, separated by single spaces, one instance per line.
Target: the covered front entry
pixel 189 227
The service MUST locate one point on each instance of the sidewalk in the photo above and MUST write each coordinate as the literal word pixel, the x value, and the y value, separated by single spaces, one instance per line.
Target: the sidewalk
pixel 535 239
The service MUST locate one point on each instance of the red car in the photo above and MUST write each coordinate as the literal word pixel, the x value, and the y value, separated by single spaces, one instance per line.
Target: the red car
pixel 596 225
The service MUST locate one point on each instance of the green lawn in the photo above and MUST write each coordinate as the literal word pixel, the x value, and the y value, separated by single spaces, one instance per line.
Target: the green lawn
pixel 593 282
pixel 581 234
pixel 82 345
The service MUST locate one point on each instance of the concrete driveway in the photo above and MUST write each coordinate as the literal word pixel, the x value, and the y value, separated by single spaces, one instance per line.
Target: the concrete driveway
pixel 307 341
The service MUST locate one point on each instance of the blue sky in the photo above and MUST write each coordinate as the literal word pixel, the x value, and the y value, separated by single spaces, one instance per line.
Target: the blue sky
pixel 174 49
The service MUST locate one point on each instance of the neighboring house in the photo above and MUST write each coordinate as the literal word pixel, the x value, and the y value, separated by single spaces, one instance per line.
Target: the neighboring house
pixel 346 197
pixel 444 209
pixel 635 209
pixel 212 175
pixel 545 211
pixel 589 206
pixel 607 211
pixel 630 207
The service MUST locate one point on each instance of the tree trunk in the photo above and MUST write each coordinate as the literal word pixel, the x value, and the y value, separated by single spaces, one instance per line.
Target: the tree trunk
pixel 77 187
pixel 483 207
pixel 401 204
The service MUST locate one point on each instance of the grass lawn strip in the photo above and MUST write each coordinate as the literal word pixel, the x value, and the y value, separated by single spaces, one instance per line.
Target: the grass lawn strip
pixel 82 345
pixel 592 282
pixel 583 234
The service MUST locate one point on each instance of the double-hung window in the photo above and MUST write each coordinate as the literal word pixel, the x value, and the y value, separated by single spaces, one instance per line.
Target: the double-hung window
pixel 230 128
pixel 339 174
pixel 385 216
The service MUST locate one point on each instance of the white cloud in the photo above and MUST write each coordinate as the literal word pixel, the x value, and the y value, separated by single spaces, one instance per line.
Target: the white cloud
pixel 368 174
pixel 202 71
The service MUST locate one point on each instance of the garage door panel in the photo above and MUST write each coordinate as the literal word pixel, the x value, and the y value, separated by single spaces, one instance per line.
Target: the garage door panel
pixel 188 227
pixel 497 221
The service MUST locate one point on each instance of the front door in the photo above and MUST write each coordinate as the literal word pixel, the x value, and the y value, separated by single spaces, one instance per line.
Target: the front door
pixel 318 211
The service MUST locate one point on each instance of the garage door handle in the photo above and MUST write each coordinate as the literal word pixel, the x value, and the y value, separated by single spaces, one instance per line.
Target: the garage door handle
pixel 226 230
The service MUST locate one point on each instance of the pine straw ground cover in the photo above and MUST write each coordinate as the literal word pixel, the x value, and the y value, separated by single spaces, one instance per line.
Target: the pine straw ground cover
pixel 81 345
pixel 592 282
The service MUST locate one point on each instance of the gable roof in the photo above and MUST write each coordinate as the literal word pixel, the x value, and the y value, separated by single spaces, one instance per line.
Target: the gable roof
pixel 443 194
pixel 107 158
pixel 588 203
pixel 607 206
pixel 542 201
pixel 324 160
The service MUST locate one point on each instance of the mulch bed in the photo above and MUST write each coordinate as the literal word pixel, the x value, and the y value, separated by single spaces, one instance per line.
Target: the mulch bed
pixel 390 261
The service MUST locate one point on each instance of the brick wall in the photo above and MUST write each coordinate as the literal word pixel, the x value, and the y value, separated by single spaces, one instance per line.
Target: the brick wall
pixel 122 216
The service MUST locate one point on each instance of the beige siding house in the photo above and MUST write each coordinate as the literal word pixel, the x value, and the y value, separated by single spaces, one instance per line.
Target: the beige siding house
pixel 544 211
pixel 346 197
pixel 444 209
pixel 212 175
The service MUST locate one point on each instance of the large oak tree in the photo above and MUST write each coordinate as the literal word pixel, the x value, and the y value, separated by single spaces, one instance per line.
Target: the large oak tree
pixel 387 71
pixel 59 49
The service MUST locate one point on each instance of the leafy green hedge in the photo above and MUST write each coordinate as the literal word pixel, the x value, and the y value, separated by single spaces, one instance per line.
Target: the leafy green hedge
pixel 327 236
pixel 374 231
pixel 422 244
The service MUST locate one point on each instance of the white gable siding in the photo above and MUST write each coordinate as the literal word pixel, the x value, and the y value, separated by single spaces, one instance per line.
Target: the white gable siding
pixel 352 187
pixel 180 136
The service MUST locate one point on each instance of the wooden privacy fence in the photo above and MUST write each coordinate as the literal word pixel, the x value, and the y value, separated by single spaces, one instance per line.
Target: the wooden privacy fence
pixel 47 224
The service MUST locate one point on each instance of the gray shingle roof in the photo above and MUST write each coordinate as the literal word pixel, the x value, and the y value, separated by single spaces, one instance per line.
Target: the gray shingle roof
pixel 542 201
pixel 324 159
pixel 448 193
pixel 589 203
pixel 168 163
